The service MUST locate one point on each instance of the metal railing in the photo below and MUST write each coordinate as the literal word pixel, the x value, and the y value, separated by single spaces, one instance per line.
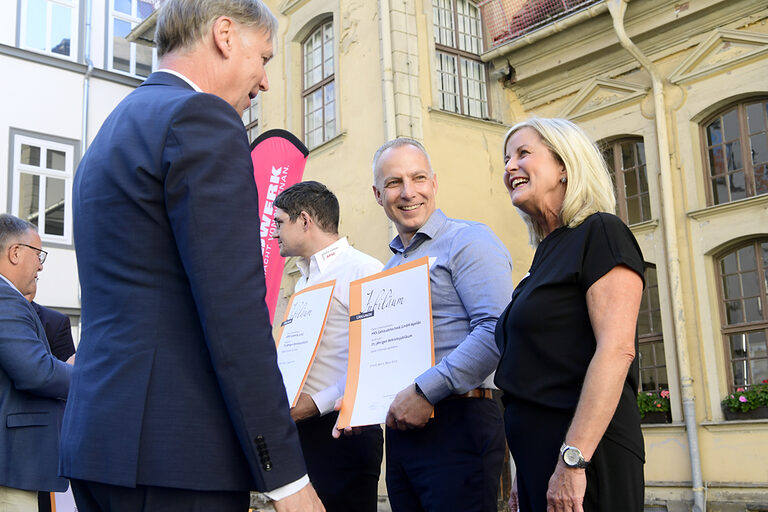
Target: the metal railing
pixel 506 20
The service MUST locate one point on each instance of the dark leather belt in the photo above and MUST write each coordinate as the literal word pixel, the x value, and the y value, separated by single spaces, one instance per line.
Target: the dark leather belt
pixel 473 393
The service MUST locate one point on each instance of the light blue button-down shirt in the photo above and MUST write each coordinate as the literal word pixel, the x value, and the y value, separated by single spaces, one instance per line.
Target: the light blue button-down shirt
pixel 470 274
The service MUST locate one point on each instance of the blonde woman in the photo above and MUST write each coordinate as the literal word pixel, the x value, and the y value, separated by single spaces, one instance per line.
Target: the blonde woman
pixel 567 338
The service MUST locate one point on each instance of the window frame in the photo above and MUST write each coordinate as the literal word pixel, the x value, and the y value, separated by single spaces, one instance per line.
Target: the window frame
pixel 656 336
pixel 109 31
pixel 746 327
pixel 619 184
pixel 321 84
pixel 744 142
pixel 74 27
pixel 44 141
pixel 253 121
pixel 460 54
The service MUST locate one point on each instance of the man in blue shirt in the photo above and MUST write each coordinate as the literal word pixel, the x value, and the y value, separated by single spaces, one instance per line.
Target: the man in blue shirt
pixel 453 460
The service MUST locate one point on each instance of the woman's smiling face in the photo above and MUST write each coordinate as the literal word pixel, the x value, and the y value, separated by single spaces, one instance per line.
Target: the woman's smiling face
pixel 532 174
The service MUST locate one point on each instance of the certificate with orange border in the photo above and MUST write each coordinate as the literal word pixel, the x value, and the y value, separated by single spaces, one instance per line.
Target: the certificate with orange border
pixel 390 340
pixel 300 335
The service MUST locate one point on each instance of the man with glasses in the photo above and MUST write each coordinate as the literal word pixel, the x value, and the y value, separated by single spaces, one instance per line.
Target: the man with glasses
pixel 33 383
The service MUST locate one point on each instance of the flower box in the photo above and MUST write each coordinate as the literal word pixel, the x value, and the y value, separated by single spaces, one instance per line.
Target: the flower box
pixel 655 417
pixel 754 414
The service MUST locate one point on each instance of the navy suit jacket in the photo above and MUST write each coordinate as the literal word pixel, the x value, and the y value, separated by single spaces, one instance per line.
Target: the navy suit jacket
pixel 58 330
pixel 176 381
pixel 33 386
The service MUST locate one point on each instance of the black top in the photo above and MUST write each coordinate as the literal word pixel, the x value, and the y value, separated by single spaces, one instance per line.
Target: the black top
pixel 545 336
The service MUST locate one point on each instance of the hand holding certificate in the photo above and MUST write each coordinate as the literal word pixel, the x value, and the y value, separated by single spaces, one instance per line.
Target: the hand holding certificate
pixel 300 335
pixel 390 340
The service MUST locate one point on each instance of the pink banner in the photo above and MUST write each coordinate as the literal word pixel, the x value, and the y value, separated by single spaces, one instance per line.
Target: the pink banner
pixel 278 162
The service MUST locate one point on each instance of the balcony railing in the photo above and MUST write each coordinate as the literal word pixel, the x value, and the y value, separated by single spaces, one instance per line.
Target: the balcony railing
pixel 506 20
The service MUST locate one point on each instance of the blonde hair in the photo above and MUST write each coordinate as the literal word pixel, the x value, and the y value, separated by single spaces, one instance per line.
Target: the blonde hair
pixel 589 189
pixel 182 23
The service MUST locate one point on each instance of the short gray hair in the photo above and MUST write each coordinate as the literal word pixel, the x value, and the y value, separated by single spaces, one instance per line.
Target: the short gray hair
pixel 12 228
pixel 182 23
pixel 397 143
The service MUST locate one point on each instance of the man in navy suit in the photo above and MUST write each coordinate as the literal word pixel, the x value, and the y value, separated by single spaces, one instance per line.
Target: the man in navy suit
pixel 33 383
pixel 177 402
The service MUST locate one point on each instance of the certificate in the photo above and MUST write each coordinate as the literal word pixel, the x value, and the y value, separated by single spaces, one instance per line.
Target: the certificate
pixel 390 340
pixel 300 335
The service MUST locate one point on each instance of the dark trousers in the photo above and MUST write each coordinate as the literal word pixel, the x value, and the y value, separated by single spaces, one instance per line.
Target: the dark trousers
pixel 345 471
pixel 535 433
pixel 453 463
pixel 97 497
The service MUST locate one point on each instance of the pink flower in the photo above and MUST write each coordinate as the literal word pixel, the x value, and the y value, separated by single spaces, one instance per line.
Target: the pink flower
pixel 742 399
pixel 739 389
pixel 658 405
pixel 664 394
pixel 649 394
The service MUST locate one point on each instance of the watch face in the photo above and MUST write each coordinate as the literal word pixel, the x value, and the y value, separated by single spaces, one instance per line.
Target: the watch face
pixel 571 456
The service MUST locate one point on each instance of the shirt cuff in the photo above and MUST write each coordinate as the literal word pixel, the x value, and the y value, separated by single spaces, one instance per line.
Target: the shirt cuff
pixel 325 399
pixel 288 489
pixel 432 384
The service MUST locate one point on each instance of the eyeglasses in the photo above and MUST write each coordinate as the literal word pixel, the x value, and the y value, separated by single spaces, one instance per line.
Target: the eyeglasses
pixel 40 253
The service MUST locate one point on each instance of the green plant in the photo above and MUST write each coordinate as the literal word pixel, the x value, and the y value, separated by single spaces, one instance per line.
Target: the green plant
pixel 650 401
pixel 747 399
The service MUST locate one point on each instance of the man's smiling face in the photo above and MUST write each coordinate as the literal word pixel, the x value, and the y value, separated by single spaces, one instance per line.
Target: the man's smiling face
pixel 405 187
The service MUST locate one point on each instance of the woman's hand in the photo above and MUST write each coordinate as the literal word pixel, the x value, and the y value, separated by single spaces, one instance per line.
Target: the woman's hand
pixel 566 489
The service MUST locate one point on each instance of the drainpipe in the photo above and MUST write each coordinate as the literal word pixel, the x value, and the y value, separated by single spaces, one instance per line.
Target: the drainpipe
pixel 617 9
pixel 387 81
pixel 86 78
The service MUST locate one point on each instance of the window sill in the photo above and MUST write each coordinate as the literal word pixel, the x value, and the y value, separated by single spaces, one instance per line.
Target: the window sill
pixel 330 143
pixel 642 228
pixel 734 425
pixel 675 425
pixel 455 116
pixel 740 204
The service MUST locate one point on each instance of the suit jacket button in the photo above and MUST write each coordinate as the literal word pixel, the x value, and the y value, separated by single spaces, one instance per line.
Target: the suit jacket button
pixel 267 466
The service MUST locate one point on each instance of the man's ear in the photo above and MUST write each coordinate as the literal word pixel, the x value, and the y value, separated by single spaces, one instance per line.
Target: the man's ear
pixel 223 35
pixel 13 254
pixel 377 194
pixel 305 219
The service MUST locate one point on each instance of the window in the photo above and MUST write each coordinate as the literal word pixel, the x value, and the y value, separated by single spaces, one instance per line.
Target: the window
pixel 461 80
pixel 49 26
pixel 251 118
pixel 42 185
pixel 319 94
pixel 743 276
pixel 737 152
pixel 626 163
pixel 653 366
pixel 124 15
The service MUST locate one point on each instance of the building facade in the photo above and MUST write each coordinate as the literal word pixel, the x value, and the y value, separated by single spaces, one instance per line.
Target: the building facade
pixel 66 64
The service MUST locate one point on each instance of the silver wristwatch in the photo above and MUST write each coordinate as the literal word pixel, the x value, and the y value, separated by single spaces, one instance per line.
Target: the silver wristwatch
pixel 572 457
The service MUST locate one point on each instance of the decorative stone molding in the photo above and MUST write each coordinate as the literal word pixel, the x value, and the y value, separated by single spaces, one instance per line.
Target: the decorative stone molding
pixel 599 94
pixel 722 49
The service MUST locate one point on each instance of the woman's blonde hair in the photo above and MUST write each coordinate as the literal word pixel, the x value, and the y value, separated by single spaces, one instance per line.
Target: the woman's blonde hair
pixel 589 188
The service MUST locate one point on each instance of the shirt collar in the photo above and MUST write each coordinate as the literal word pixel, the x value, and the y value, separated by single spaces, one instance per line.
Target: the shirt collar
pixel 11 284
pixel 430 228
pixel 176 73
pixel 323 258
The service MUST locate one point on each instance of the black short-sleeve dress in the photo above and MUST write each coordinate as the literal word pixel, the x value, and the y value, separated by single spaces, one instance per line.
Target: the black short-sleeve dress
pixel 546 342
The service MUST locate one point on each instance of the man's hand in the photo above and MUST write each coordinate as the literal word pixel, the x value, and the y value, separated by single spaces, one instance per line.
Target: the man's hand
pixel 347 431
pixel 305 500
pixel 409 410
pixel 305 408
pixel 566 489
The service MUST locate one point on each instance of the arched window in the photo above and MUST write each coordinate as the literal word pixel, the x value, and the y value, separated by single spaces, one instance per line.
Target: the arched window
pixel 736 151
pixel 626 163
pixel 319 91
pixel 653 365
pixel 743 277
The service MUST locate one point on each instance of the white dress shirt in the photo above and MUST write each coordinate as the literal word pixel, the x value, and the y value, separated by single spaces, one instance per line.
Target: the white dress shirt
pixel 344 263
